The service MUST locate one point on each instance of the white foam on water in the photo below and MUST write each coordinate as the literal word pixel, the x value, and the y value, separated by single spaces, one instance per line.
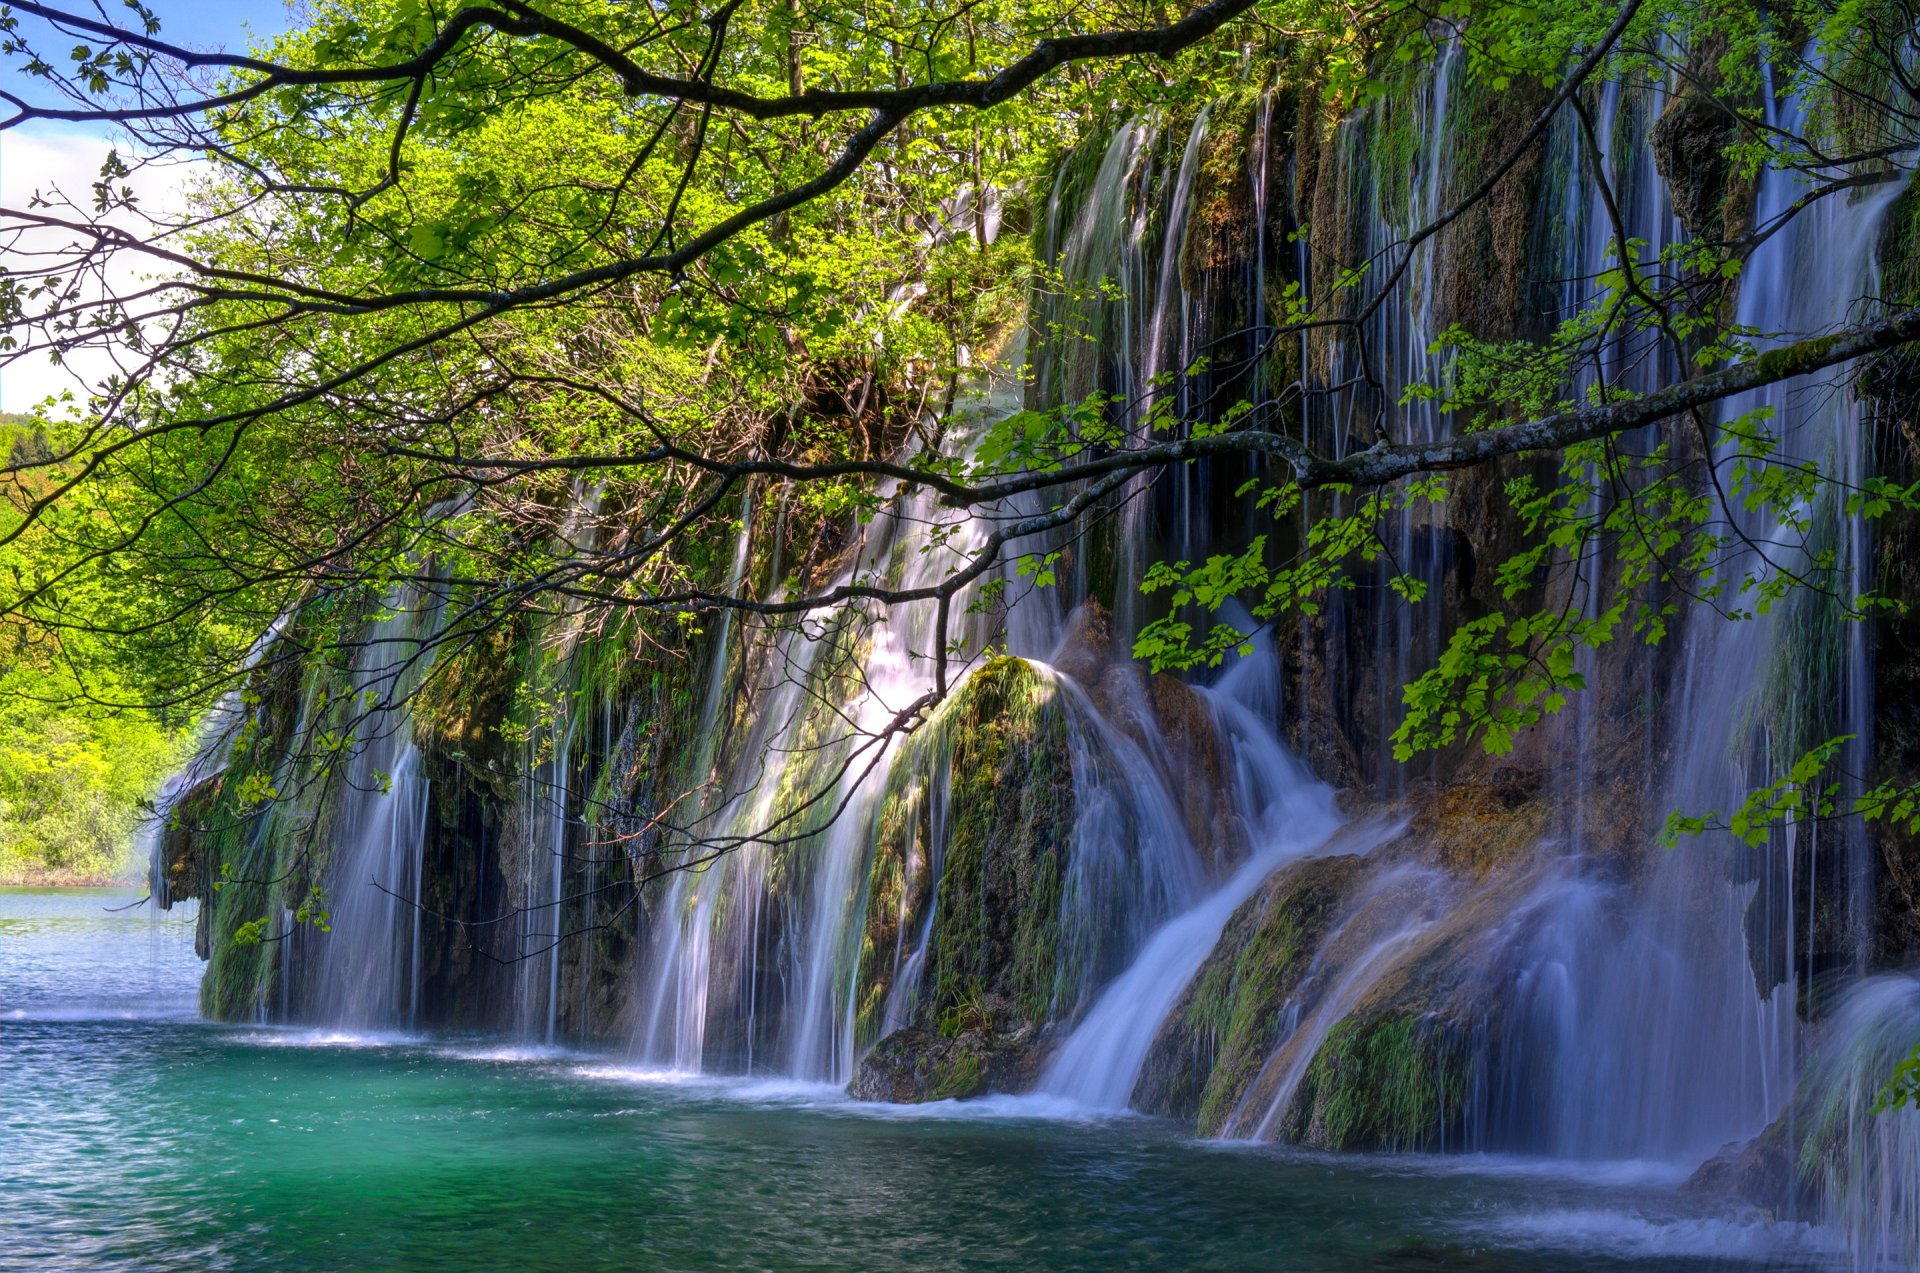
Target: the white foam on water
pixel 523 1053
pixel 79 1012
pixel 1623 1173
pixel 831 1098
pixel 1031 1107
pixel 321 1038
pixel 1635 1234
pixel 654 1075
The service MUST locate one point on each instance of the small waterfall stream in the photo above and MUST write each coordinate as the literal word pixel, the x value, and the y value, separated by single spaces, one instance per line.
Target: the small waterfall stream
pixel 1386 925
pixel 370 960
pixel 1287 812
pixel 1868 1160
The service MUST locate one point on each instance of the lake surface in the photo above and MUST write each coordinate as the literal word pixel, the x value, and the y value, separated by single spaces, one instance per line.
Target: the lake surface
pixel 134 1135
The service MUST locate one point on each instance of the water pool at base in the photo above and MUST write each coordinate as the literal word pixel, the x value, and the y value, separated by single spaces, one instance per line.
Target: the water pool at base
pixel 134 1135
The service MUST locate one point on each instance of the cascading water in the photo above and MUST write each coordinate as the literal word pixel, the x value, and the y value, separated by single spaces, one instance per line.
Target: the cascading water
pixel 213 742
pixel 1386 925
pixel 370 961
pixel 1579 1082
pixel 1369 395
pixel 548 794
pixel 1866 1160
pixel 801 734
pixel 1131 862
pixel 1709 1060
pixel 1287 813
pixel 672 1022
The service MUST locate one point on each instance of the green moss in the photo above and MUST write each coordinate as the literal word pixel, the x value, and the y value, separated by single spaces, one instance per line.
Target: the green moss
pixel 960 1074
pixel 1009 815
pixel 238 888
pixel 900 834
pixel 1220 227
pixel 1234 1014
pixel 1394 1080
pixel 1241 1003
pixel 465 695
pixel 1393 129
pixel 995 757
pixel 1900 248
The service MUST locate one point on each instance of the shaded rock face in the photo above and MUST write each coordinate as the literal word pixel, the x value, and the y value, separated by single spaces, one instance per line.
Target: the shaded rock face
pixel 1896 642
pixel 1168 719
pixel 1760 1172
pixel 1712 198
pixel 184 869
pixel 466 967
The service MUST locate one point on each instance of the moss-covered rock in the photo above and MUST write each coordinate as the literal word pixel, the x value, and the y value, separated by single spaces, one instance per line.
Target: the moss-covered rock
pixel 1009 819
pixel 1477 826
pixel 457 711
pixel 973 836
pixel 914 1065
pixel 1710 194
pixel 1232 1016
pixel 1485 255
pixel 1394 1080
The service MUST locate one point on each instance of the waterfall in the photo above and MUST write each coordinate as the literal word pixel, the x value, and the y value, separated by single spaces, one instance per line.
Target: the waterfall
pixel 1287 812
pixel 1555 983
pixel 1400 909
pixel 546 794
pixel 807 729
pixel 370 961
pixel 1670 1052
pixel 1131 864
pixel 672 1020
pixel 212 746
pixel 561 702
pixel 1866 1161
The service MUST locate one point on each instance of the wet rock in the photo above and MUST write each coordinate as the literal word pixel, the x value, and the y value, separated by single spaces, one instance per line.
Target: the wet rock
pixel 1485 252
pixel 1008 816
pixel 914 1065
pixel 1168 720
pixel 1086 645
pixel 1689 142
pixel 1226 1025
pixel 1896 699
pixel 1475 828
pixel 1196 761
pixel 1758 1171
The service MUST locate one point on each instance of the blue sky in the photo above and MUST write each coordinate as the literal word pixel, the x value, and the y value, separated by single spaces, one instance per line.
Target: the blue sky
pixel 199 24
pixel 69 156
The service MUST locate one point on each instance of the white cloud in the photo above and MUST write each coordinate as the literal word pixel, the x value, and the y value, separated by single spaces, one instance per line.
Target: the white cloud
pixel 38 160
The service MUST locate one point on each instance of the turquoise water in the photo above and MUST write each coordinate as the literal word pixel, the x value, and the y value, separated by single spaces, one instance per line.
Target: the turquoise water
pixel 133 1135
